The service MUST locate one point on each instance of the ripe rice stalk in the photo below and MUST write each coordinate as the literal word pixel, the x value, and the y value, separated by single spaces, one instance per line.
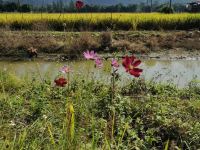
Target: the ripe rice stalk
pixel 101 21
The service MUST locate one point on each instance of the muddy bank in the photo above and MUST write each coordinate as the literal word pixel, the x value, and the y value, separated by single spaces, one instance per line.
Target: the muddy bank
pixel 59 45
pixel 169 55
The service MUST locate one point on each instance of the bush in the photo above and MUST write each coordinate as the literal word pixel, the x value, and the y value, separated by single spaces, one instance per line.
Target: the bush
pixel 9 82
pixel 167 10
pixel 82 43
pixel 105 40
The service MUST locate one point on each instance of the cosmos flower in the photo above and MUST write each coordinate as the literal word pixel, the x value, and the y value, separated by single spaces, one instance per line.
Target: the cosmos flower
pixel 60 82
pixel 131 64
pixel 65 69
pixel 114 63
pixel 79 4
pixel 98 62
pixel 90 55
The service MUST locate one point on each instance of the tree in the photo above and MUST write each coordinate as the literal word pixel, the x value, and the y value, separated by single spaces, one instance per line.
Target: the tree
pixel 71 6
pixel 18 5
pixel 60 6
pixel 166 9
pixel 10 7
pixel 1 5
pixel 131 8
pixel 179 7
pixel 49 8
pixel 148 8
pixel 151 5
pixel 170 3
pixel 25 8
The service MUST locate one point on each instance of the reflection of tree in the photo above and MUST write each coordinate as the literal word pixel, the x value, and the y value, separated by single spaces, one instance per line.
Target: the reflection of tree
pixel 150 63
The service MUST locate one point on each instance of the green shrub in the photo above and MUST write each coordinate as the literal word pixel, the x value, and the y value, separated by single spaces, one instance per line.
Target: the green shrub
pixel 167 10
pixel 10 82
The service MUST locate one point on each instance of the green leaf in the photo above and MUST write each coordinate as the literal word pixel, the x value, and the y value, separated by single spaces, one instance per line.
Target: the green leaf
pixel 167 145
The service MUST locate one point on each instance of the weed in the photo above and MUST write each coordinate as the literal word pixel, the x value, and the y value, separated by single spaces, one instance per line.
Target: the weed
pixel 143 115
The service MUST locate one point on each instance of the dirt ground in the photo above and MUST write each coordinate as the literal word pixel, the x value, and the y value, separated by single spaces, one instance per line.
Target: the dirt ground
pixel 171 44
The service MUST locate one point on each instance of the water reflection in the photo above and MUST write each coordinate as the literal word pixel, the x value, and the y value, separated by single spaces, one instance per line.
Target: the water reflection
pixel 179 72
pixel 150 63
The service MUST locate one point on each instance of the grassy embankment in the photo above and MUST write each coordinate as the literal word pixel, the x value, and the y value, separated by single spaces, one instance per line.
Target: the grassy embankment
pixel 16 43
pixel 35 115
pixel 100 21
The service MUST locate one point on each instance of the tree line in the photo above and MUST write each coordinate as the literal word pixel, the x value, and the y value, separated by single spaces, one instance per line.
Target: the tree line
pixel 14 7
pixel 59 6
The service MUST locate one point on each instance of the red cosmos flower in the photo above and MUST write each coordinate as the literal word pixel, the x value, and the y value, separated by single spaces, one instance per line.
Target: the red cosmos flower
pixel 79 4
pixel 130 64
pixel 60 82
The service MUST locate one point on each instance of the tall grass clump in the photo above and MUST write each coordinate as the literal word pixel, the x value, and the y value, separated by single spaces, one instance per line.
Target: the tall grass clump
pixel 9 82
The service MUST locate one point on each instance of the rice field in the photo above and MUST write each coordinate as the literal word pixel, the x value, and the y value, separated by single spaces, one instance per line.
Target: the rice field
pixel 99 21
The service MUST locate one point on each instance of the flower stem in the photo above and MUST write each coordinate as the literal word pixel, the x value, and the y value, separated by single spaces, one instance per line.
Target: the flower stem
pixel 68 78
pixel 113 86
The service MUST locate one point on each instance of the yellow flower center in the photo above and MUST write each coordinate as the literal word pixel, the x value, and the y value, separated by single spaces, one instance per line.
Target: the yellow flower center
pixel 131 67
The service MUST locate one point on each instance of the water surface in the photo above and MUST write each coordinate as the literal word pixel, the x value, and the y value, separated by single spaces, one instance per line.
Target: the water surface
pixel 179 72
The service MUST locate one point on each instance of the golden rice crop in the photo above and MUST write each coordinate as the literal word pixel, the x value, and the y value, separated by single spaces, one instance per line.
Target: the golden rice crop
pixel 100 21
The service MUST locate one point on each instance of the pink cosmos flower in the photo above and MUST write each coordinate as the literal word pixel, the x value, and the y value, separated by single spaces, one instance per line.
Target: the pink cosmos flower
pixel 114 63
pixel 90 55
pixel 65 69
pixel 98 62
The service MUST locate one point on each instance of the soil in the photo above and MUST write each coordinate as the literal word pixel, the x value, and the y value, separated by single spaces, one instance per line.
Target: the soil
pixel 14 45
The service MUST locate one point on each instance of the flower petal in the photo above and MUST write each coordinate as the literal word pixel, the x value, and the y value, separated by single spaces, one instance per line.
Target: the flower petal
pixel 136 72
pixel 98 62
pixel 132 58
pixel 79 4
pixel 126 62
pixel 60 82
pixel 114 63
pixel 137 63
pixel 90 55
